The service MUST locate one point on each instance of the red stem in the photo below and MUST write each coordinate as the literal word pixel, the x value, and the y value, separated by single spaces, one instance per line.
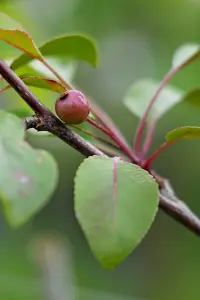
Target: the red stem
pixel 95 136
pixel 101 128
pixel 116 134
pixel 147 163
pixel 142 123
pixel 117 140
pixel 148 139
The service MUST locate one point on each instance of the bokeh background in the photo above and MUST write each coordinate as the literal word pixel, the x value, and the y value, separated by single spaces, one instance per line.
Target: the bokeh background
pixel 49 258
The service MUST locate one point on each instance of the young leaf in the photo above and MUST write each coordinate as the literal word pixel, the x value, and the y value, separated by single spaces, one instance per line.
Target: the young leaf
pixel 28 177
pixel 39 82
pixel 115 204
pixel 75 46
pixel 185 54
pixel 20 40
pixel 183 57
pixel 139 94
pixel 186 132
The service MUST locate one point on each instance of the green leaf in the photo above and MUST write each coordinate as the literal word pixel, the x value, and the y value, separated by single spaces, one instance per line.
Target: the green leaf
pixel 28 177
pixel 115 204
pixel 39 82
pixel 74 46
pixel 185 54
pixel 140 93
pixel 186 132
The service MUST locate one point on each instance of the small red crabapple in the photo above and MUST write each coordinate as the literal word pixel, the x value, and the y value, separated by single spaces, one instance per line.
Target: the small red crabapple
pixel 72 107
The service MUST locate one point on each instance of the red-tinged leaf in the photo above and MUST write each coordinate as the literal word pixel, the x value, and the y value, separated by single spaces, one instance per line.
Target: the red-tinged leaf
pixel 186 132
pixel 40 82
pixel 20 40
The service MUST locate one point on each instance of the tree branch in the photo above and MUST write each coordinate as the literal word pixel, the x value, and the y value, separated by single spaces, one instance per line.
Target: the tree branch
pixel 45 120
pixel 181 213
pixel 57 128
pixel 177 209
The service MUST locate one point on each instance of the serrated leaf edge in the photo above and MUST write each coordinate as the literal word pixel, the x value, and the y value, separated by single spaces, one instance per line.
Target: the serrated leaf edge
pixel 39 57
pixel 141 237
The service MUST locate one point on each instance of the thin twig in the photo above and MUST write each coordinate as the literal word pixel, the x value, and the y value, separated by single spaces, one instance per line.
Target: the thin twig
pixel 99 127
pixel 148 139
pixel 95 136
pixel 180 213
pixel 45 120
pixel 117 136
pixel 177 209
pixel 57 128
pixel 147 163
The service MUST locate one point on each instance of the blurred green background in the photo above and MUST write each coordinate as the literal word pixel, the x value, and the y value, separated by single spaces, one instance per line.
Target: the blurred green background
pixel 49 258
